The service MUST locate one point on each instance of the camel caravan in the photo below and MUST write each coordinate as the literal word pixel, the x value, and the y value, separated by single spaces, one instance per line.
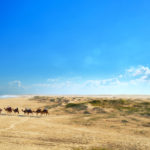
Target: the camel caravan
pixel 26 111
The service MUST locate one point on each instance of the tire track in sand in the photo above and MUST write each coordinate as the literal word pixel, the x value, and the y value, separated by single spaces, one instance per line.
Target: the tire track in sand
pixel 14 124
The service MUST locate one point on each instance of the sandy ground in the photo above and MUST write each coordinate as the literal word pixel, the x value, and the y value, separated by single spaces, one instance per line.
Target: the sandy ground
pixel 64 131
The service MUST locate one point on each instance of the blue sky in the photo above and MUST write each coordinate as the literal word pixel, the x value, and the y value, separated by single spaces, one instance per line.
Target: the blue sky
pixel 74 47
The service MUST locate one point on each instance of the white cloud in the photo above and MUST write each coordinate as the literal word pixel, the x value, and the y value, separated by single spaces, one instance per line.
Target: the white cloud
pixel 15 83
pixel 140 73
pixel 135 80
pixel 132 81
pixel 120 76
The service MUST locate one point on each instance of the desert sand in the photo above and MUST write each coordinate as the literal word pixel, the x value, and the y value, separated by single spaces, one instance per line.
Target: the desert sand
pixel 77 123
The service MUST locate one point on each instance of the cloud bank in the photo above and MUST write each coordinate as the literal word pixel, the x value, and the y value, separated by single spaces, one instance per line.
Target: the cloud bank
pixel 134 80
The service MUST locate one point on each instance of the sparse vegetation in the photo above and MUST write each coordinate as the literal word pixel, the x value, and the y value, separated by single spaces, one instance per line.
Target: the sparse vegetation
pixel 40 98
pixel 78 106
pixel 126 106
pixel 110 103
pixel 52 106
pixel 123 106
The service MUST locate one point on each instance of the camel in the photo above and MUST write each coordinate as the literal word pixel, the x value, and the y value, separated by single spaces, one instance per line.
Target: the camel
pixel 38 111
pixel 27 111
pixel 44 111
pixel 16 110
pixel 8 109
pixel 0 110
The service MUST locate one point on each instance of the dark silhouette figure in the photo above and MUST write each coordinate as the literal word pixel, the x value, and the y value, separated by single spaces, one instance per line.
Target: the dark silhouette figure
pixel 8 109
pixel 44 111
pixel 0 110
pixel 38 111
pixel 16 110
pixel 27 111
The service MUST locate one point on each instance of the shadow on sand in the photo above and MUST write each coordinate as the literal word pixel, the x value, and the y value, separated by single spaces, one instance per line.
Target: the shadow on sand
pixel 20 115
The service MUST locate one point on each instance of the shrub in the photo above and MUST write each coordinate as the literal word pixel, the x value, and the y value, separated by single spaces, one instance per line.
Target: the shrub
pixel 79 106
pixel 109 103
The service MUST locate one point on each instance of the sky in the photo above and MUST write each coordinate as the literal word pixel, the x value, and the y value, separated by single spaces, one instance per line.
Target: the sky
pixel 74 47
